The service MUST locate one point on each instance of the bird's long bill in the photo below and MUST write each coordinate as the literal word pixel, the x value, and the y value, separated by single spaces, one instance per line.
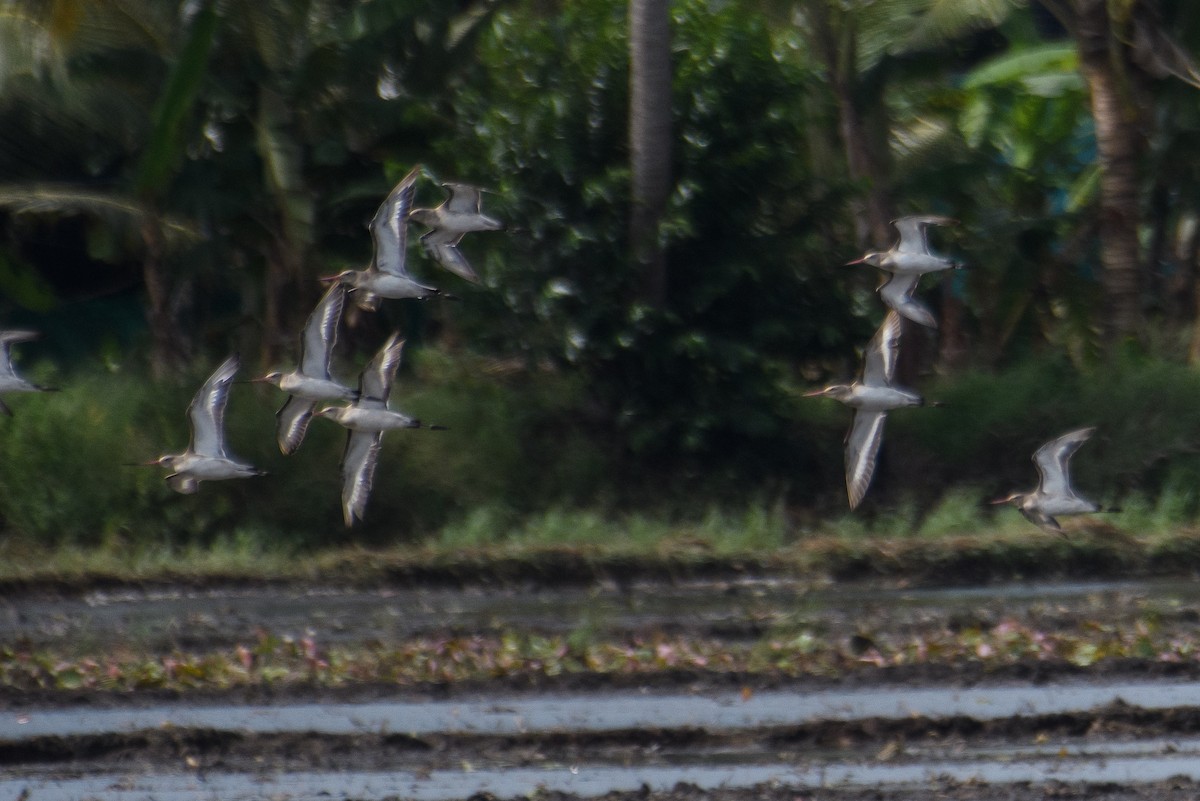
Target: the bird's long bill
pixel 140 464
pixel 325 279
pixel 860 260
pixel 816 393
pixel 998 501
pixel 262 379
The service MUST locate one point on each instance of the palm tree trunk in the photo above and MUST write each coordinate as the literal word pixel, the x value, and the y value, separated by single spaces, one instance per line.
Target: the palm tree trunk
pixel 649 139
pixel 165 349
pixel 287 245
pixel 835 42
pixel 1119 145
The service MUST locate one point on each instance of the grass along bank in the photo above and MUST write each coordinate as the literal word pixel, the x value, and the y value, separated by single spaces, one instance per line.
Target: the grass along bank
pixel 946 546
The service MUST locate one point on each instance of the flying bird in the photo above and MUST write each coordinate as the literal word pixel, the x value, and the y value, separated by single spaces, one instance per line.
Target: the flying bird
pixel 872 397
pixel 206 458
pixel 1054 495
pixel 367 419
pixel 911 254
pixel 310 382
pixel 459 214
pixel 387 275
pixel 897 294
pixel 9 380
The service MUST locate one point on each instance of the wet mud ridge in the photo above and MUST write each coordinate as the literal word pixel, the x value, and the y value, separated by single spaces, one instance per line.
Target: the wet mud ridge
pixel 955 732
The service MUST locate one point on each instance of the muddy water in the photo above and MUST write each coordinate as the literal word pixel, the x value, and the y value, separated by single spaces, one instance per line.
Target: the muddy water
pixel 757 762
pixel 615 711
pixel 596 780
pixel 644 749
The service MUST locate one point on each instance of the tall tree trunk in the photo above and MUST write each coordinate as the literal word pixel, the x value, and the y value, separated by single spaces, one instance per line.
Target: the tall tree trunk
pixel 165 348
pixel 1119 144
pixel 649 139
pixel 286 247
pixel 835 42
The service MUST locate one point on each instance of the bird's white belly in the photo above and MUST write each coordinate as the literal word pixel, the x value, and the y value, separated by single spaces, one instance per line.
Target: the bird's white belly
pixel 212 467
pixel 14 384
pixel 918 263
pixel 393 286
pixel 318 389
pixel 376 420
pixel 1066 506
pixel 882 399
pixel 451 222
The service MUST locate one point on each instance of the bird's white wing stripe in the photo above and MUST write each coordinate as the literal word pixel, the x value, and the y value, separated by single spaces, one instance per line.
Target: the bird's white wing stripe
pixel 320 332
pixel 358 472
pixel 879 360
pixel 1052 461
pixel 207 411
pixel 292 421
pixel 862 445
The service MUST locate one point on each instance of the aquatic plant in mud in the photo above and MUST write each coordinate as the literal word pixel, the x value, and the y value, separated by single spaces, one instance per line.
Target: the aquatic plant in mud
pixel 281 660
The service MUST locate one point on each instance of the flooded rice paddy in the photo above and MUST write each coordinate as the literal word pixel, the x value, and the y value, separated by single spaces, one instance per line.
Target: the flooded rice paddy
pixel 955 733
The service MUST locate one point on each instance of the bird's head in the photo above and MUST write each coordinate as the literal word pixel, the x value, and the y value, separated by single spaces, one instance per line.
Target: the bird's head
pixel 840 392
pixel 874 258
pixel 344 277
pixel 167 461
pixel 1014 499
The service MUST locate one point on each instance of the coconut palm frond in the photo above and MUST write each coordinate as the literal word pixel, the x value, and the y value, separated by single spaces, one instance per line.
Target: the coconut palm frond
pixel 900 26
pixel 25 45
pixel 943 20
pixel 924 144
pixel 1155 51
pixel 67 200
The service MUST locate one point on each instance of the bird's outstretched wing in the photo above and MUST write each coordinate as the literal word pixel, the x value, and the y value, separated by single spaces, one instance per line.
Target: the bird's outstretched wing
pixel 1052 462
pixel 464 198
pixel 358 472
pixel 291 422
pixel 207 411
pixel 879 359
pixel 913 231
pixel 389 226
pixel 185 485
pixel 897 293
pixel 1042 520
pixel 7 338
pixel 320 332
pixel 443 247
pixel 375 381
pixel 862 447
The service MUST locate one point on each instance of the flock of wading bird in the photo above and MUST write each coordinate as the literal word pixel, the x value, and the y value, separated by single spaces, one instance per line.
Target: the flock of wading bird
pixel 365 413
pixel 874 394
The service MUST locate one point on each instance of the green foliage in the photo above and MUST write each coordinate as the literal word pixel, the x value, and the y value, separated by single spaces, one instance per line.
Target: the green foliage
pixel 515 441
pixel 179 93
pixel 70 479
pixel 63 481
pixel 1146 444
pixel 758 528
pixel 73 479
pixel 750 277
